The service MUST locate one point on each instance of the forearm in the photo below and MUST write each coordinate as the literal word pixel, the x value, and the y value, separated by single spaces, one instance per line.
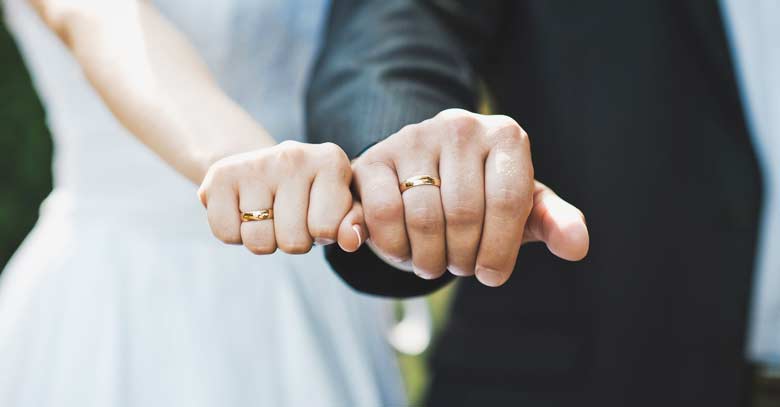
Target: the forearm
pixel 154 82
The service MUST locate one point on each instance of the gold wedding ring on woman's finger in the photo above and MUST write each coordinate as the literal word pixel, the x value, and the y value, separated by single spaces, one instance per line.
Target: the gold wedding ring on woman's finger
pixel 253 216
pixel 418 180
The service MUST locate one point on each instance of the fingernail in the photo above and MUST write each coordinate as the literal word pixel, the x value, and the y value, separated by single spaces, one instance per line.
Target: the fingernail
pixel 356 228
pixel 320 241
pixel 422 273
pixel 459 272
pixel 489 277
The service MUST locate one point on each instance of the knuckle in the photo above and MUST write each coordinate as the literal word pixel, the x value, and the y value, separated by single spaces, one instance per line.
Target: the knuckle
pixel 220 172
pixel 259 248
pixel 295 246
pixel 409 129
pixel 461 138
pixel 412 138
pixel 464 125
pixel 361 165
pixel 494 265
pixel 336 160
pixel 384 210
pixel 333 151
pixel 507 130
pixel 324 230
pixel 424 220
pixel 508 200
pixel 376 152
pixel 453 114
pixel 203 195
pixel 459 121
pixel 289 144
pixel 231 171
pixel 257 241
pixel 341 202
pixel 394 245
pixel 291 154
pixel 463 215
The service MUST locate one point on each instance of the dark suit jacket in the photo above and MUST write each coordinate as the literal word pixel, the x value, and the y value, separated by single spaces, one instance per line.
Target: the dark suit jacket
pixel 634 117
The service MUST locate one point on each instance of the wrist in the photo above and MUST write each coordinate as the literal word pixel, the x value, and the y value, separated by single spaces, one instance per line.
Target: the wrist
pixel 203 159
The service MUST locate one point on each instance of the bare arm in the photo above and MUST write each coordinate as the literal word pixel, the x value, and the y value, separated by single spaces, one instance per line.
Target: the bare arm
pixel 158 88
pixel 153 81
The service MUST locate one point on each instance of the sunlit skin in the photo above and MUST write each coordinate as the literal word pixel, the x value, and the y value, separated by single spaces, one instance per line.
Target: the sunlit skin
pixel 154 82
pixel 307 185
pixel 157 86
pixel 489 204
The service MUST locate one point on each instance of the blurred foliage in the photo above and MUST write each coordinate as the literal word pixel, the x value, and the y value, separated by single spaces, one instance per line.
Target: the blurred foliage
pixel 415 368
pixel 25 150
pixel 25 171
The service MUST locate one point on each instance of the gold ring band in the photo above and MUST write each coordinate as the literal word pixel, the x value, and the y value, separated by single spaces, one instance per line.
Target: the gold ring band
pixel 418 180
pixel 252 216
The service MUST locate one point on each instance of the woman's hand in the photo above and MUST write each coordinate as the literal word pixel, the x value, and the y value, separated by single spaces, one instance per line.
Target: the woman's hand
pixel 306 185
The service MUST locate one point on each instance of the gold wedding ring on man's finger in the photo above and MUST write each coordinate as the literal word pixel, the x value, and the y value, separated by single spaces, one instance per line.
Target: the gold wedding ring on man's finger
pixel 254 216
pixel 418 180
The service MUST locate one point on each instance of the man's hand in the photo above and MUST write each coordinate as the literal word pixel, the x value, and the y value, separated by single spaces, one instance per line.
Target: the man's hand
pixel 477 220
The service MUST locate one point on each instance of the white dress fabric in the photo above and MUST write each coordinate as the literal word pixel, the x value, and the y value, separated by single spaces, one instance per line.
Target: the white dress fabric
pixel 120 296
pixel 754 28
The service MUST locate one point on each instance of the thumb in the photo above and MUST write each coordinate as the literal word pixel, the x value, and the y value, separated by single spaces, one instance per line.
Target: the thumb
pixel 558 224
pixel 352 231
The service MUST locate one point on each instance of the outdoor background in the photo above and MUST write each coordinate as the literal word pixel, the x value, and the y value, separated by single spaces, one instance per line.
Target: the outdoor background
pixel 25 150
pixel 25 165
pixel 25 168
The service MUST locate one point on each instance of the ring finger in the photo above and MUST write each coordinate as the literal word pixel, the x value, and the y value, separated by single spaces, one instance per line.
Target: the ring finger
pixel 424 219
pixel 258 236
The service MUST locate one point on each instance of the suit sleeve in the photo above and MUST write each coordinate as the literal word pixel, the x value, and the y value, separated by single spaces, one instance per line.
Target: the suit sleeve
pixel 385 64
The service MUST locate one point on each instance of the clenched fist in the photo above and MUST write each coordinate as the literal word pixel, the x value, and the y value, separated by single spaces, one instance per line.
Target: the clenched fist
pixel 488 203
pixel 306 185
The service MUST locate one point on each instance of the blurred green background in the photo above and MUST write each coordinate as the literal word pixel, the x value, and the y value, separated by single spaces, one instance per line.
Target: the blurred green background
pixel 25 145
pixel 25 166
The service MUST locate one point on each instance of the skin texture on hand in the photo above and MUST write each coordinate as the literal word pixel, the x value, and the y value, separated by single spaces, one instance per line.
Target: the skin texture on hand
pixel 487 206
pixel 307 185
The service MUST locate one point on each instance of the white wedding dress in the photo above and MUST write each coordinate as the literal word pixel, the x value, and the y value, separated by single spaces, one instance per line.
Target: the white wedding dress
pixel 120 296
